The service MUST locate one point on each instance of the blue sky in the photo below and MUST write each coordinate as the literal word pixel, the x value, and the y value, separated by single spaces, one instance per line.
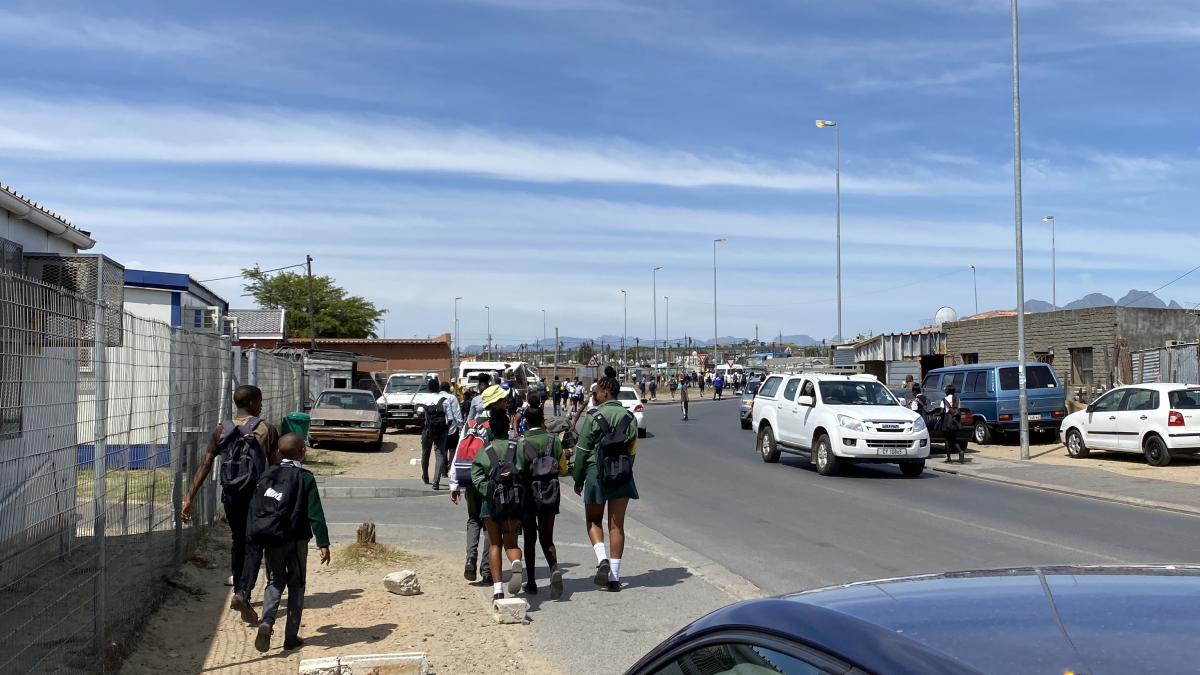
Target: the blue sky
pixel 530 154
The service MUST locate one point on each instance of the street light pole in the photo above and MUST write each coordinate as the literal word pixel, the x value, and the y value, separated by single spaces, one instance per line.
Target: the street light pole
pixel 667 338
pixel 1021 382
pixel 625 332
pixel 715 242
pixel 1053 264
pixel 975 284
pixel 837 187
pixel 489 327
pixel 457 349
pixel 541 357
pixel 654 296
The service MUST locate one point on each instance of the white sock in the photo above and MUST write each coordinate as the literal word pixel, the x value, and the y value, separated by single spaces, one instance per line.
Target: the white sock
pixel 614 574
pixel 601 552
pixel 498 587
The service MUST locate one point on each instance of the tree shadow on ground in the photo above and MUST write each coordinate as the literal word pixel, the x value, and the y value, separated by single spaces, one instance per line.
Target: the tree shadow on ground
pixel 332 599
pixel 333 635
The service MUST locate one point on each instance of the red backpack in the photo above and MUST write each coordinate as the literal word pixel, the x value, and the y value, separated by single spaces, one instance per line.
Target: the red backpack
pixel 474 438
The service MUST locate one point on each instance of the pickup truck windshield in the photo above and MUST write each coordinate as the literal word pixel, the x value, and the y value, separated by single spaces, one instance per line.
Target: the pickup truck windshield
pixel 855 393
pixel 346 401
pixel 410 384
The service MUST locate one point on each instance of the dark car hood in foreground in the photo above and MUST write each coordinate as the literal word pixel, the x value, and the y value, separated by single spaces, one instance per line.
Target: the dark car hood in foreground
pixel 1093 620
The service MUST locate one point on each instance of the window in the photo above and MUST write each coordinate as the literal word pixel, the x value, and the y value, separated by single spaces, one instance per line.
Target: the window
pixel 931 383
pixel 970 359
pixel 770 386
pixel 855 393
pixel 1110 401
pixel 11 256
pixel 1185 399
pixel 745 659
pixel 350 401
pixel 1141 399
pixel 789 392
pixel 1081 367
pixel 1043 357
pixel 977 381
pixel 955 379
pixel 808 389
pixel 1036 377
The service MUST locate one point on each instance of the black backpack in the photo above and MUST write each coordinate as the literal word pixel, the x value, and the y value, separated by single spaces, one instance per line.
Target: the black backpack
pixel 435 416
pixel 506 493
pixel 614 464
pixel 277 506
pixel 951 416
pixel 542 469
pixel 242 461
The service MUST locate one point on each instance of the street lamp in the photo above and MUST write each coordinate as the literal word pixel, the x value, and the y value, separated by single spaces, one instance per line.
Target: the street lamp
pixel 1023 390
pixel 975 284
pixel 654 297
pixel 489 327
pixel 1053 264
pixel 837 187
pixel 624 332
pixel 457 350
pixel 541 357
pixel 667 339
pixel 715 242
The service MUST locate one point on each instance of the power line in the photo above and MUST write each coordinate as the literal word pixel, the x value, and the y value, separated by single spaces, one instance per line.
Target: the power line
pixel 1149 293
pixel 239 276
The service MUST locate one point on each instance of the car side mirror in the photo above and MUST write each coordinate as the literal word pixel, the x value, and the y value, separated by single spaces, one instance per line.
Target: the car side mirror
pixel 1091 408
pixel 903 401
pixel 807 401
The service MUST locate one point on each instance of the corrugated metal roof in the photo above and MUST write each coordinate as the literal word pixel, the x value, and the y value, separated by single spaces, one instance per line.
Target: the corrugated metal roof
pixel 252 321
pixel 384 341
pixel 39 207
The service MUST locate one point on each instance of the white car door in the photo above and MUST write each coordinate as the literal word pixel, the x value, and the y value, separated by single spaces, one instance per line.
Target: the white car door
pixel 789 412
pixel 807 413
pixel 1134 417
pixel 1100 429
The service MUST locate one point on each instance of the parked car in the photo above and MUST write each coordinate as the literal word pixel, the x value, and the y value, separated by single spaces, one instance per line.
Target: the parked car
pixel 404 397
pixel 746 406
pixel 628 397
pixel 347 415
pixel 990 390
pixel 835 420
pixel 1158 420
pixel 1097 620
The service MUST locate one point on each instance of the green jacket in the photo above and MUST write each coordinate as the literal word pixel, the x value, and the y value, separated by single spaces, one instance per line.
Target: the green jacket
pixel 316 514
pixel 538 438
pixel 589 438
pixel 481 468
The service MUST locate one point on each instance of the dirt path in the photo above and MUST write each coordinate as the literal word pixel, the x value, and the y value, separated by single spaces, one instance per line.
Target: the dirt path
pixel 394 460
pixel 347 611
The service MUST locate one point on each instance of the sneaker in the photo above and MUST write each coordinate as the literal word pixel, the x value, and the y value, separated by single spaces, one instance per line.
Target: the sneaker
pixel 614 587
pixel 240 604
pixel 530 587
pixel 602 571
pixel 436 487
pixel 294 644
pixel 262 641
pixel 515 579
pixel 486 579
pixel 469 572
pixel 556 585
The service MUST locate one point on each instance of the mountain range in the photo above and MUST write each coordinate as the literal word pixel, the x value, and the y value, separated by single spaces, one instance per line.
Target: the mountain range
pixel 614 341
pixel 1134 298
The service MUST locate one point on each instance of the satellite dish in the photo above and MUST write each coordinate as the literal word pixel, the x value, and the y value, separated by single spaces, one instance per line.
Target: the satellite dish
pixel 945 314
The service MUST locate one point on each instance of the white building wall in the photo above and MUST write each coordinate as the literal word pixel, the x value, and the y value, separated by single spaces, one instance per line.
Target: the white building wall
pixel 30 236
pixel 149 303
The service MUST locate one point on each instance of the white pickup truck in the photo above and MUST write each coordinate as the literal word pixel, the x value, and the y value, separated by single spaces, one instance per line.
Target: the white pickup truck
pixel 837 419
pixel 404 397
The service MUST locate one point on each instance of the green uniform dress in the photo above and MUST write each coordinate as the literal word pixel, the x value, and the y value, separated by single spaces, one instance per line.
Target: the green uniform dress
pixel 481 470
pixel 585 456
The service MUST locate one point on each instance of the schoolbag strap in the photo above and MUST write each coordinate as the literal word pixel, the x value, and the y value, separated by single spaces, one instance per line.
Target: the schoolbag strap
pixel 510 455
pixel 605 427
pixel 491 453
pixel 250 425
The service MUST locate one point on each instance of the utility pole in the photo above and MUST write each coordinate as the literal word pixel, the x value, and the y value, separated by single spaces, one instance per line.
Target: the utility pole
pixel 667 339
pixel 625 332
pixel 489 327
pixel 541 358
pixel 715 242
pixel 457 347
pixel 654 297
pixel 312 314
pixel 1021 382
pixel 556 345
pixel 975 285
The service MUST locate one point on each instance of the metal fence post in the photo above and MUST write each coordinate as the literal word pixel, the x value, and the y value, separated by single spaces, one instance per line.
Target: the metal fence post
pixel 100 467
pixel 252 375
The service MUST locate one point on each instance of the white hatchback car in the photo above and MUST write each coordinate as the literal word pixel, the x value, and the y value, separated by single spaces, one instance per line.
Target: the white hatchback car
pixel 1157 420
pixel 629 398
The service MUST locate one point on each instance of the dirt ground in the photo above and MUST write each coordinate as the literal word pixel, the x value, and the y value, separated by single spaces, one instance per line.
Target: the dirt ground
pixel 1182 469
pixel 347 611
pixel 394 460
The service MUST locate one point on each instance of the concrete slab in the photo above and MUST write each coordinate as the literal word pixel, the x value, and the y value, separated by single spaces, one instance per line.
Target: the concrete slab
pixel 510 610
pixel 407 663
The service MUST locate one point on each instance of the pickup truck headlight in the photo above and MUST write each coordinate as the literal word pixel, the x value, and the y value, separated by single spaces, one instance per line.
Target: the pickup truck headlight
pixel 919 425
pixel 316 423
pixel 369 425
pixel 847 422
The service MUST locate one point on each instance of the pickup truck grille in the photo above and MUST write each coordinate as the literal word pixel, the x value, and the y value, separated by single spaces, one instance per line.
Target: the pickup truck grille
pixel 903 445
pixel 889 426
pixel 400 406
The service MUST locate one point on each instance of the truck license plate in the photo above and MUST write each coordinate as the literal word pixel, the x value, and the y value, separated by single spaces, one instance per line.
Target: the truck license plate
pixel 891 451
pixel 1035 417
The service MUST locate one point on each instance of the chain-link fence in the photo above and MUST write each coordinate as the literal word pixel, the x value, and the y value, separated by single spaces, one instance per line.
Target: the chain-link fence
pixel 98 444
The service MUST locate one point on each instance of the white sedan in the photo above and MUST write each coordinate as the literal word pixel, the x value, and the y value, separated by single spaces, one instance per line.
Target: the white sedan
pixel 629 398
pixel 1157 420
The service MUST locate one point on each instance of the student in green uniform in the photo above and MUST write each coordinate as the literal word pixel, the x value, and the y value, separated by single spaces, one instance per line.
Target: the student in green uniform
pixel 545 462
pixel 502 530
pixel 597 493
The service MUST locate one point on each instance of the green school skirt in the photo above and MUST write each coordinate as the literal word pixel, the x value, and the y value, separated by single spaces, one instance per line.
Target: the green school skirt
pixel 595 493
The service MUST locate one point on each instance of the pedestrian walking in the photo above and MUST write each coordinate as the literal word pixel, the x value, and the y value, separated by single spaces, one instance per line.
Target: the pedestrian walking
pixel 477 407
pixel 673 385
pixel 920 402
pixel 577 394
pixel 247 446
pixel 556 392
pixel 476 436
pixel 909 383
pixel 684 396
pixel 287 514
pixel 700 383
pixel 642 386
pixel 654 389
pixel 604 477
pixel 497 474
pixel 439 415
pixel 951 424
pixel 545 462
pixel 455 407
pixel 718 387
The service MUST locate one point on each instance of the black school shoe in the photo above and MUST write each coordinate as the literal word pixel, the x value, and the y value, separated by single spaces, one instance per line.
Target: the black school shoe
pixel 602 571
pixel 531 588
pixel 469 572
pixel 262 640
pixel 294 644
pixel 497 596
pixel 614 587
pixel 486 579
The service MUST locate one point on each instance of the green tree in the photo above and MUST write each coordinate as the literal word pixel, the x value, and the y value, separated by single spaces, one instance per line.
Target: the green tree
pixel 586 349
pixel 338 315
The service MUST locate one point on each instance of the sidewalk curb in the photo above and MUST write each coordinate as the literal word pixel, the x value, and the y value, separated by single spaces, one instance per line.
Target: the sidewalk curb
pixel 367 492
pixel 1182 509
pixel 705 568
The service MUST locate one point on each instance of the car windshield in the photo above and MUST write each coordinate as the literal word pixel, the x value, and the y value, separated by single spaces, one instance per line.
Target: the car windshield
pixel 751 388
pixel 856 393
pixel 1185 399
pixel 624 395
pixel 346 401
pixel 405 384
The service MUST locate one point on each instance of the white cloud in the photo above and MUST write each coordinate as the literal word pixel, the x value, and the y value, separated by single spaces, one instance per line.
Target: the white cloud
pixel 92 33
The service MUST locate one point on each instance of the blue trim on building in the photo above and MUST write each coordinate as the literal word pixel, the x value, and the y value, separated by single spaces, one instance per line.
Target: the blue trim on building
pixel 148 279
pixel 176 309
pixel 133 456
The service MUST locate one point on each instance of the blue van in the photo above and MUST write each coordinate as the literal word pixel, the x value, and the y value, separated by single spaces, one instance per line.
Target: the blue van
pixel 990 390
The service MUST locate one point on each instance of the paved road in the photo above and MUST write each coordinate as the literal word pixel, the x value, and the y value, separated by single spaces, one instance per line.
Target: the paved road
pixel 785 528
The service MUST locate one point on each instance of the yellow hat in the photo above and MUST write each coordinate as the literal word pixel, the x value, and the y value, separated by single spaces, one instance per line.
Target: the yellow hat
pixel 493 395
